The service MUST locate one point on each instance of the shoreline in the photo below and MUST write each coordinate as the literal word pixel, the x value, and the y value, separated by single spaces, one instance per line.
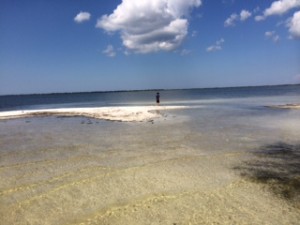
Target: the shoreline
pixel 123 113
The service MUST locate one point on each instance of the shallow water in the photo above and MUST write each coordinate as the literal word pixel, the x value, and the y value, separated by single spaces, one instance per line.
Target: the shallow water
pixel 184 168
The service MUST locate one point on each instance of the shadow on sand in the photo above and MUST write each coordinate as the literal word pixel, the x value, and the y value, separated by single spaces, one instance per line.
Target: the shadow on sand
pixel 278 167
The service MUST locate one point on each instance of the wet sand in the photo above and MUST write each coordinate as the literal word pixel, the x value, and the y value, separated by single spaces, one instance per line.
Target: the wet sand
pixel 134 173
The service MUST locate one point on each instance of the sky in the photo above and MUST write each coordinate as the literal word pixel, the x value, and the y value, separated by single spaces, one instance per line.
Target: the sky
pixel 49 46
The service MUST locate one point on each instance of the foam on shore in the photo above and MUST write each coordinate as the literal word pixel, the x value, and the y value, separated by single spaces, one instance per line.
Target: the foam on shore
pixel 125 114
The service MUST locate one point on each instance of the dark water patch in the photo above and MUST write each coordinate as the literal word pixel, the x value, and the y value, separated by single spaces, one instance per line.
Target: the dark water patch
pixel 278 167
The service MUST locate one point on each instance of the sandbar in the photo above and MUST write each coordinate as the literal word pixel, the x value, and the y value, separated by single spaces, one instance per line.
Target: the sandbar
pixel 124 113
pixel 286 106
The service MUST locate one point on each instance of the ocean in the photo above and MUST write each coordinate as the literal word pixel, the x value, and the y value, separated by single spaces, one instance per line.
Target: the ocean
pixel 224 159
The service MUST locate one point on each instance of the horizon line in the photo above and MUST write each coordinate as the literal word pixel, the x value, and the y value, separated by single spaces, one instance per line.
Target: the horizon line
pixel 151 89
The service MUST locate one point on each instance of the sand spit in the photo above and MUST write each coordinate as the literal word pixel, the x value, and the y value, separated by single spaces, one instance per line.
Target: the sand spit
pixel 124 114
pixel 287 106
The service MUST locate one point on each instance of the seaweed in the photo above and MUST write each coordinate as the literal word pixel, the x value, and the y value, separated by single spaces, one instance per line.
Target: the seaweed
pixel 277 166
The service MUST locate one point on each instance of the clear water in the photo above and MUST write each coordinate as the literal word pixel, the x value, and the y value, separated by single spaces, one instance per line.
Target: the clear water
pixel 181 169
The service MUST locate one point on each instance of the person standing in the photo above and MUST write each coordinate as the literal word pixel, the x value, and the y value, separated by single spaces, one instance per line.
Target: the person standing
pixel 157 98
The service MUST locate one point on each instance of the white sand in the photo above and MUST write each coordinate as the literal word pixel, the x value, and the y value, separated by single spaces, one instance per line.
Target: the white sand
pixel 125 114
pixel 287 106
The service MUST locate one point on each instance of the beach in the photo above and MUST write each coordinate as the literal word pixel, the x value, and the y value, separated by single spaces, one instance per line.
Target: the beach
pixel 149 112
pixel 212 163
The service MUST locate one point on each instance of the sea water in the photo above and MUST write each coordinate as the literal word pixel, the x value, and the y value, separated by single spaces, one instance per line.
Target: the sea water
pixel 181 97
pixel 192 166
pixel 217 114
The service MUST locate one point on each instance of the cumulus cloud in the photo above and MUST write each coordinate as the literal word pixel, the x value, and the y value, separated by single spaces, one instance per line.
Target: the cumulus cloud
pixel 82 17
pixel 234 18
pixel 294 25
pixel 150 25
pixel 230 21
pixel 272 35
pixel 216 47
pixel 282 6
pixel 279 7
pixel 109 51
pixel 245 15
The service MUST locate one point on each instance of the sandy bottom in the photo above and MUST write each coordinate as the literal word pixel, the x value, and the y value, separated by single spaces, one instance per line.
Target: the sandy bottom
pixel 181 189
pixel 106 175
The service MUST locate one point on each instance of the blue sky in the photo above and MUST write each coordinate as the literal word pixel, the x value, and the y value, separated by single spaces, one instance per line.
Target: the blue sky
pixel 51 46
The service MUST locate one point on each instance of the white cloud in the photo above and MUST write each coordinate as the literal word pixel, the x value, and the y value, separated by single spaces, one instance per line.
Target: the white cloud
pixel 220 42
pixel 213 48
pixel 259 18
pixel 216 47
pixel 150 25
pixel 82 17
pixel 269 33
pixel 245 15
pixel 272 35
pixel 229 22
pixel 279 7
pixel 110 51
pixel 234 18
pixel 294 25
